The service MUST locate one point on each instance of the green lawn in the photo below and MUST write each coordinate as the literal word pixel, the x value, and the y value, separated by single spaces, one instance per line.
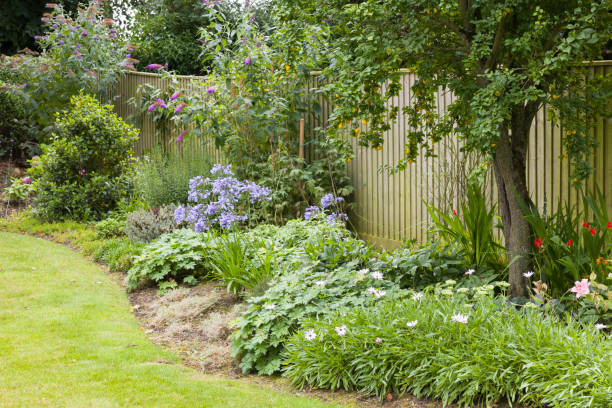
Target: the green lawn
pixel 68 339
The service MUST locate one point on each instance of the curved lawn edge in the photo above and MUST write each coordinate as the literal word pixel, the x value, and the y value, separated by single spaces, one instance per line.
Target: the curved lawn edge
pixel 69 339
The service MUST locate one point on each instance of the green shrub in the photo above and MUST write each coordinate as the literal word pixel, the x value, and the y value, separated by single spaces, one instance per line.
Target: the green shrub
pixel 162 177
pixel 19 190
pixel 175 257
pixel 17 138
pixel 145 226
pixel 323 277
pixel 87 169
pixel 498 353
pixel 110 228
pixel 423 266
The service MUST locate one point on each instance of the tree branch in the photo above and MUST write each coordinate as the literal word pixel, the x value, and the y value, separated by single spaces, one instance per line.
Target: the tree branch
pixel 497 43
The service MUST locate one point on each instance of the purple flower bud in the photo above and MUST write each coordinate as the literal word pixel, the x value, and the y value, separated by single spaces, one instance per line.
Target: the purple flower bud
pixel 95 37
pixel 84 33
pixel 180 107
pixel 179 138
pixel 154 66
pixel 113 31
pixel 61 42
pixel 37 37
pixel 211 90
pixel 152 107
pixel 247 61
pixel 175 95
pixel 77 46
pixel 258 44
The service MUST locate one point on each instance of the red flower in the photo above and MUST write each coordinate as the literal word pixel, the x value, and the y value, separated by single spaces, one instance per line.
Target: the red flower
pixel 538 243
pixel 569 243
pixel 592 231
pixel 585 224
pixel 455 213
pixel 609 224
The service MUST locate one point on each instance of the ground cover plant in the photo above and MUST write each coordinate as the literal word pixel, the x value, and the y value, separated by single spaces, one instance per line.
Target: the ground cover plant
pixel 458 345
pixel 62 315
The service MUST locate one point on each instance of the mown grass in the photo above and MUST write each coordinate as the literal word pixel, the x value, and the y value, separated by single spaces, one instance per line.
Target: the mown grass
pixel 68 339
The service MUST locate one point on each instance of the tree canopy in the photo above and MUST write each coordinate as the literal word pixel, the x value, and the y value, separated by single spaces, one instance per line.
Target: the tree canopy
pixel 502 60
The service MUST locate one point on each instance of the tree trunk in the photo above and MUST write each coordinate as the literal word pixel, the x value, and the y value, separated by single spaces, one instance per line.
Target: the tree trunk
pixel 509 166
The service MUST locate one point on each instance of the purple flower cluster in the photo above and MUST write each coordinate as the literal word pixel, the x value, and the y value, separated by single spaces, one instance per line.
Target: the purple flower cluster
pixel 327 201
pixel 218 200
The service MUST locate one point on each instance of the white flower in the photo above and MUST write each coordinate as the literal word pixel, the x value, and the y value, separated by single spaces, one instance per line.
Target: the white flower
pixel 270 307
pixel 600 326
pixel 528 274
pixel 310 335
pixel 341 330
pixel 363 272
pixel 380 293
pixel 377 275
pixel 417 296
pixel 460 318
pixel 470 271
pixel 320 283
pixel 372 290
pixel 412 323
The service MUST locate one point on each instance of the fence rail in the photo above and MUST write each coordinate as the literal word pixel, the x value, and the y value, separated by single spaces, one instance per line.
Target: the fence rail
pixel 389 209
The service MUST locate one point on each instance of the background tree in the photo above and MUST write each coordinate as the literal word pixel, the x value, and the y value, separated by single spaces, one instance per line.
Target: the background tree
pixel 503 60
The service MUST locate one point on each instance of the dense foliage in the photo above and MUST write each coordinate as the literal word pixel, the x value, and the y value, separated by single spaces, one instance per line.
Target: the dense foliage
pixel 162 177
pixel 16 139
pixel 250 107
pixel 85 171
pixel 502 60
pixel 461 346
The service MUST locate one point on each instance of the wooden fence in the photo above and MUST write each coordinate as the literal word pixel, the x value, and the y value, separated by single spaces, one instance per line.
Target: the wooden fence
pixel 389 208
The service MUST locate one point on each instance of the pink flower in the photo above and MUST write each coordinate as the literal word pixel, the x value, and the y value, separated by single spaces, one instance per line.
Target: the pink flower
pixel 460 318
pixel 470 272
pixel 378 340
pixel 211 90
pixel 581 288
pixel 26 180
pixel 180 107
pixel 340 330
pixel 175 95
pixel 152 107
pixel 160 102
pixel 82 172
pixel 247 61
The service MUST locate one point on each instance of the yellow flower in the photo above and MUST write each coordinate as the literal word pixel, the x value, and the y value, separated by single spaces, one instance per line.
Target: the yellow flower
pixel 565 156
pixel 356 131
pixel 378 147
pixel 287 68
pixel 485 165
pixel 363 122
pixel 340 126
pixel 348 159
pixel 407 151
pixel 435 10
pixel 555 96
pixel 575 179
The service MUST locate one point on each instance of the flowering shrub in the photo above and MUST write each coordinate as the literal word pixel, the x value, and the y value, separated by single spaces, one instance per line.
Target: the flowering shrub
pixel 458 345
pixel 329 275
pixel 85 172
pixel 78 54
pixel 220 201
pixel 250 106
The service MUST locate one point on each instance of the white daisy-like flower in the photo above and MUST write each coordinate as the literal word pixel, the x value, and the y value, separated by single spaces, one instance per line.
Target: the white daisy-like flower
pixel 600 326
pixel 340 330
pixel 412 323
pixel 380 293
pixel 377 275
pixel 270 307
pixel 363 272
pixel 470 272
pixel 460 318
pixel 417 296
pixel 372 290
pixel 528 274
pixel 310 335
pixel 320 283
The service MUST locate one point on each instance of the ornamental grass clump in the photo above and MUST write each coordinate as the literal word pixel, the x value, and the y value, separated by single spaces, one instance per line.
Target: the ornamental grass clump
pixel 220 202
pixel 462 346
